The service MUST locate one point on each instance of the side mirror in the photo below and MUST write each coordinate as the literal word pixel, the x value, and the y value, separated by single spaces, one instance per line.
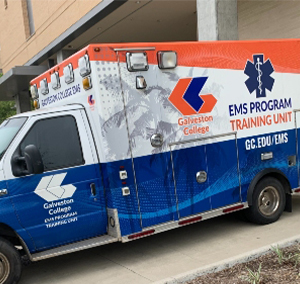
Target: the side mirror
pixel 33 160
pixel 31 163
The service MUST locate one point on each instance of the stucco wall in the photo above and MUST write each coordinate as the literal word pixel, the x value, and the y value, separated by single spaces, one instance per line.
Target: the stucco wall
pixel 51 18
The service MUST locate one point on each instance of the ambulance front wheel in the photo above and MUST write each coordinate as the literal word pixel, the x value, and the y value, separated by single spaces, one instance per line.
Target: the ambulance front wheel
pixel 10 263
pixel 268 201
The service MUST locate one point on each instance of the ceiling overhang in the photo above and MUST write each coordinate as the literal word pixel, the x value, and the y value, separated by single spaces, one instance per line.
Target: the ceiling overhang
pixel 17 79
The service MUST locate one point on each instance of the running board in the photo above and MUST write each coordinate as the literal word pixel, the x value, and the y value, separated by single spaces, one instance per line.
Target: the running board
pixel 90 243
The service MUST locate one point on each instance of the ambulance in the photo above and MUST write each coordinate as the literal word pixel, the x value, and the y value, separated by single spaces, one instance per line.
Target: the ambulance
pixel 131 140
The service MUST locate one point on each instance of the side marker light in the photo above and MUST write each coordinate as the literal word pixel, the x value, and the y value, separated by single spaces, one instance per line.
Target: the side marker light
pixel 231 209
pixel 87 83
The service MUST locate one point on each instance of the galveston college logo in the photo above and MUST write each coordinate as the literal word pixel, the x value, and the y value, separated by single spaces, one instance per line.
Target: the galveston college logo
pixel 188 101
pixel 91 101
pixel 50 188
pixel 259 75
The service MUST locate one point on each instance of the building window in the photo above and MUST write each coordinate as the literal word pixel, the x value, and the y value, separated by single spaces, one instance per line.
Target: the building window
pixel 28 18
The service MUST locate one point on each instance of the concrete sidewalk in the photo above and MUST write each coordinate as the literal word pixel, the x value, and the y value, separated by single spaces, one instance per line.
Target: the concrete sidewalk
pixel 169 256
pixel 227 263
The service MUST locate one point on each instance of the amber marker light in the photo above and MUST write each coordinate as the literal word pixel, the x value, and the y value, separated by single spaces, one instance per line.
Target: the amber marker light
pixel 86 83
pixel 36 104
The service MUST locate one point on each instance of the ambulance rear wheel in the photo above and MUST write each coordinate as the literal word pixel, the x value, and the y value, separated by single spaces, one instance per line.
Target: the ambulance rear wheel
pixel 10 263
pixel 268 201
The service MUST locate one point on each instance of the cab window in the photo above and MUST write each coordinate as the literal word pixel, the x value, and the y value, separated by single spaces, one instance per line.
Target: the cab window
pixel 58 142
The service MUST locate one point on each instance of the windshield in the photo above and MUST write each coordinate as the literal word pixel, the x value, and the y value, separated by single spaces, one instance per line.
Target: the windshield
pixel 8 130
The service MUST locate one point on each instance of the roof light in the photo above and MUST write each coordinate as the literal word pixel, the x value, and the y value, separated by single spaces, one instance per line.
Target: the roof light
pixel 55 81
pixel 167 59
pixel 69 74
pixel 84 65
pixel 137 61
pixel 34 92
pixel 87 83
pixel 44 87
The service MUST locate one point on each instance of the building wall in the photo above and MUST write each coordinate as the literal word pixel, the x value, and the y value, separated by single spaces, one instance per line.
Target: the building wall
pixel 268 19
pixel 257 19
pixel 51 19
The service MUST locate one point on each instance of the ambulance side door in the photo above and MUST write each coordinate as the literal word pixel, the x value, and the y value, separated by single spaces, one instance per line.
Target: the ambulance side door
pixel 65 203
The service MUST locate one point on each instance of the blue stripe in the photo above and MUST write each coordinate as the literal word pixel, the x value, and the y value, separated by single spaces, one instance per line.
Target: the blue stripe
pixel 155 200
pixel 156 189
pixel 191 95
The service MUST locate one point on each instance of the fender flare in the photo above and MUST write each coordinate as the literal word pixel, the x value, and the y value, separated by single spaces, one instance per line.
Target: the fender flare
pixel 268 172
pixel 8 232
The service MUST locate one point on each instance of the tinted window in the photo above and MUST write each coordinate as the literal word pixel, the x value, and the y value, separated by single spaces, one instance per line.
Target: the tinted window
pixel 8 130
pixel 58 141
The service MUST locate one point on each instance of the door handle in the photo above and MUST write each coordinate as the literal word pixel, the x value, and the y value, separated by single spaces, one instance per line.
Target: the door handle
pixel 93 189
pixel 3 192
pixel 201 177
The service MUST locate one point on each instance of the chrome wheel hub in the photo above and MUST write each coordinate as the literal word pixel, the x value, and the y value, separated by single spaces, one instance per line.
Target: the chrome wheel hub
pixel 4 268
pixel 268 201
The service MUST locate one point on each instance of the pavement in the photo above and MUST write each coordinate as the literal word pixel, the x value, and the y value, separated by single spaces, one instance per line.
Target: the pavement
pixel 170 257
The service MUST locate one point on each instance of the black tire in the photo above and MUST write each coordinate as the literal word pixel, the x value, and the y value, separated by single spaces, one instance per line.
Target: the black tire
pixel 10 263
pixel 268 201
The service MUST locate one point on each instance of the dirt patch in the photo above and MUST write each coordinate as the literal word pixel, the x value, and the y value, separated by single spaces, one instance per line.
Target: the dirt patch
pixel 271 271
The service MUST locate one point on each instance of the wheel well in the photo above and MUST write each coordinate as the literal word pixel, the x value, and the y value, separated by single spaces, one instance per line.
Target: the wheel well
pixel 6 232
pixel 268 173
pixel 9 234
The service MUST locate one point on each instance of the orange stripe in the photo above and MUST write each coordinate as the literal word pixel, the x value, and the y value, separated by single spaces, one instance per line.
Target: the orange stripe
pixel 284 54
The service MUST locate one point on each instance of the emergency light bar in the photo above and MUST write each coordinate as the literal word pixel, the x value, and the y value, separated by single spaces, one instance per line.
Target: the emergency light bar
pixel 137 61
pixel 55 82
pixel 69 74
pixel 84 65
pixel 167 59
pixel 44 87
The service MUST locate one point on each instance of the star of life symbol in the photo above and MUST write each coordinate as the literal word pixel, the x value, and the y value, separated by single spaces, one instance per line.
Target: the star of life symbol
pixel 259 75
pixel 50 188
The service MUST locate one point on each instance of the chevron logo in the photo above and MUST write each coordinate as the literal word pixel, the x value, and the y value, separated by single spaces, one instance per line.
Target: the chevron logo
pixel 91 101
pixel 187 99
pixel 50 188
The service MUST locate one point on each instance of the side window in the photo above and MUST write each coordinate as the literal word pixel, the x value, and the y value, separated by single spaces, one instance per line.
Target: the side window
pixel 58 141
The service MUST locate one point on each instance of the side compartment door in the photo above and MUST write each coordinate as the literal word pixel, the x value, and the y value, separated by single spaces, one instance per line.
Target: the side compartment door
pixel 191 178
pixel 145 118
pixel 206 174
pixel 297 122
pixel 224 179
pixel 66 203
